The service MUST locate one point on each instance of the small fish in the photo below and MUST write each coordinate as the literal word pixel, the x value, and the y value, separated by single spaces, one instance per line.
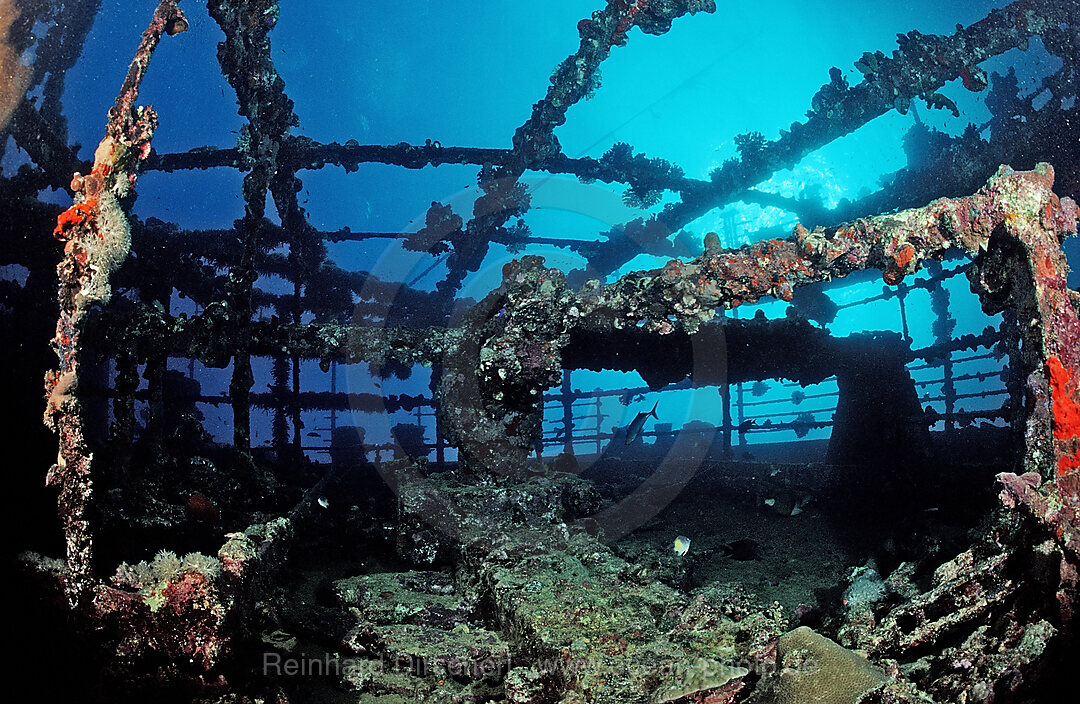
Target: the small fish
pixel 798 396
pixel 634 429
pixel 682 545
pixel 741 550
pixel 322 501
pixel 760 388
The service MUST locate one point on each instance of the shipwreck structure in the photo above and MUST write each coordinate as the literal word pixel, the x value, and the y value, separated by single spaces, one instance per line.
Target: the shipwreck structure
pixel 218 571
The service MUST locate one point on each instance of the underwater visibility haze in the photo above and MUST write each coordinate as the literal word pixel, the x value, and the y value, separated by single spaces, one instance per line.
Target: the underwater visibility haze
pixel 599 351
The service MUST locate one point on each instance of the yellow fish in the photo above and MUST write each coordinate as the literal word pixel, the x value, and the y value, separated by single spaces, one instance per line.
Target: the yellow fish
pixel 682 545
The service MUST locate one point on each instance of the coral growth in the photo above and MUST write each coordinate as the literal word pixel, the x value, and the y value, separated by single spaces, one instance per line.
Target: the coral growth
pixel 175 610
pixel 152 578
pixel 1066 414
pixel 866 588
pixel 813 668
pixel 201 508
pixel 628 10
pixel 76 215
pixel 98 239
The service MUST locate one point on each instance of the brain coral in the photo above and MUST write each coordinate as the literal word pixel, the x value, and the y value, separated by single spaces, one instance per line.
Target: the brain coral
pixel 815 669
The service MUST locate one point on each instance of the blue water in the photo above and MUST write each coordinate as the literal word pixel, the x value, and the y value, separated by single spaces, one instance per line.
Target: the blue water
pixel 468 74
